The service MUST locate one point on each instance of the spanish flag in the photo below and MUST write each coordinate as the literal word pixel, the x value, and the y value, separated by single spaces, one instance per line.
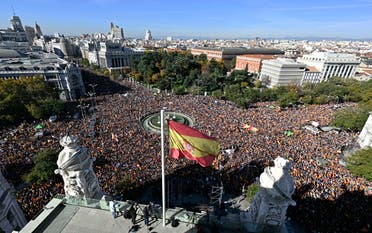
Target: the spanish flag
pixel 192 144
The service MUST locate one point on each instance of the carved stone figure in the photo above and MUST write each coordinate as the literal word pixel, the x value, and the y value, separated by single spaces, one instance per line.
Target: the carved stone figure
pixel 268 208
pixel 365 136
pixel 75 167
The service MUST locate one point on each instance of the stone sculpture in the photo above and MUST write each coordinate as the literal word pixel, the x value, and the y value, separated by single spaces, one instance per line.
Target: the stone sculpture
pixel 269 206
pixel 75 167
pixel 365 136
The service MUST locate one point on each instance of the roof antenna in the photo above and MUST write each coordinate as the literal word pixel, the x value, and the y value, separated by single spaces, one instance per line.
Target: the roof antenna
pixel 13 11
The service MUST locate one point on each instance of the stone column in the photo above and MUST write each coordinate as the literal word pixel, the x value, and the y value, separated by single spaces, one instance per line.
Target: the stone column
pixel 337 73
pixel 332 73
pixel 350 71
pixel 343 71
pixel 352 74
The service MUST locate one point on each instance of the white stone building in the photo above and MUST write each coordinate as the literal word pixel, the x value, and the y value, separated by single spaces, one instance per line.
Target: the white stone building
pixel 109 54
pixel 11 216
pixel 311 75
pixel 58 72
pixel 16 33
pixel 116 33
pixel 281 72
pixel 332 64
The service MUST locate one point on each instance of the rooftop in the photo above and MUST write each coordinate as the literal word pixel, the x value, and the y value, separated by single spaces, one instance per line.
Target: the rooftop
pixel 65 215
pixel 8 53
pixel 243 50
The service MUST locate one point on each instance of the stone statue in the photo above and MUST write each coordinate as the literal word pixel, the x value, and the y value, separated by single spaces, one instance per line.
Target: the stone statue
pixel 75 167
pixel 268 208
pixel 365 136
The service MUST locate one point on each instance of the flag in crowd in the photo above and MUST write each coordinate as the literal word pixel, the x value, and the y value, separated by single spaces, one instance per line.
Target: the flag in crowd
pixel 250 128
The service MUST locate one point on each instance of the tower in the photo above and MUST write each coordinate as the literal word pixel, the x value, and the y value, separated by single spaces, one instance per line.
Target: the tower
pixel 16 24
pixel 148 35
pixel 38 32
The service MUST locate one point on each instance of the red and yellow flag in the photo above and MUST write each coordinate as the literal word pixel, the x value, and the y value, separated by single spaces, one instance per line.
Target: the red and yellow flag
pixel 192 144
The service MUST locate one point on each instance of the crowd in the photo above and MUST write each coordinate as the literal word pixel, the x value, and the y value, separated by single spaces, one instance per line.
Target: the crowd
pixel 128 157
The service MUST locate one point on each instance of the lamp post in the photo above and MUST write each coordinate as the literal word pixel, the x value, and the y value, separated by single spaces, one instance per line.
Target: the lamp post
pixel 93 85
pixel 171 79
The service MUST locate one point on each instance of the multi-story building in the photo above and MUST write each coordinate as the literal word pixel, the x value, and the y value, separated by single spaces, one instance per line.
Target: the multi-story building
pixel 311 75
pixel 281 72
pixel 16 33
pixel 109 54
pixel 332 64
pixel 227 54
pixel 116 33
pixel 30 32
pixel 63 47
pixel 251 62
pixel 58 72
pixel 219 54
pixel 11 216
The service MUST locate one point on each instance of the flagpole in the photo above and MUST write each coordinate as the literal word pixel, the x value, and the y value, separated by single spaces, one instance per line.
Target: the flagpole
pixel 162 163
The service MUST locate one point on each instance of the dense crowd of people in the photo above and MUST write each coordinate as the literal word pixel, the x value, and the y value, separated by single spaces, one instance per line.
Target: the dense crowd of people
pixel 128 157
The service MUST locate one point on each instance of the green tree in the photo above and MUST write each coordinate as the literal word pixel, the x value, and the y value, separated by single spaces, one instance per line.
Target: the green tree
pixel 350 118
pixel 45 164
pixel 43 108
pixel 252 190
pixel 360 163
pixel 26 98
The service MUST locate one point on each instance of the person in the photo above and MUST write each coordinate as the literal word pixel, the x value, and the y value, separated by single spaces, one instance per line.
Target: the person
pixel 145 213
pixel 152 213
pixel 112 205
pixel 133 213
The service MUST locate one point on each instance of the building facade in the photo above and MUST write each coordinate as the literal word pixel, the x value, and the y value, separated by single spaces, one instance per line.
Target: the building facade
pixel 16 33
pixel 281 72
pixel 57 72
pixel 109 54
pixel 253 62
pixel 311 75
pixel 116 33
pixel 219 54
pixel 332 64
pixel 11 216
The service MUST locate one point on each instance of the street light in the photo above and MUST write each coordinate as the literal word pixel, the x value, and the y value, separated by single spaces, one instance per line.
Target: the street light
pixel 93 85
pixel 171 79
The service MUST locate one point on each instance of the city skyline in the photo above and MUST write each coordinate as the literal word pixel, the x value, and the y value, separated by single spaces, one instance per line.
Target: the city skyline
pixel 197 19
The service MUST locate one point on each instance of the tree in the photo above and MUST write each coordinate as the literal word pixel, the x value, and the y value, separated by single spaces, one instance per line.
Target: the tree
pixel 350 118
pixel 288 99
pixel 26 98
pixel 360 163
pixel 45 164
pixel 43 108
pixel 252 190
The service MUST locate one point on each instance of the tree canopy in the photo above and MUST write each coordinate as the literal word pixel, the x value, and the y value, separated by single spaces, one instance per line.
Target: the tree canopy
pixel 360 163
pixel 45 164
pixel 27 98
